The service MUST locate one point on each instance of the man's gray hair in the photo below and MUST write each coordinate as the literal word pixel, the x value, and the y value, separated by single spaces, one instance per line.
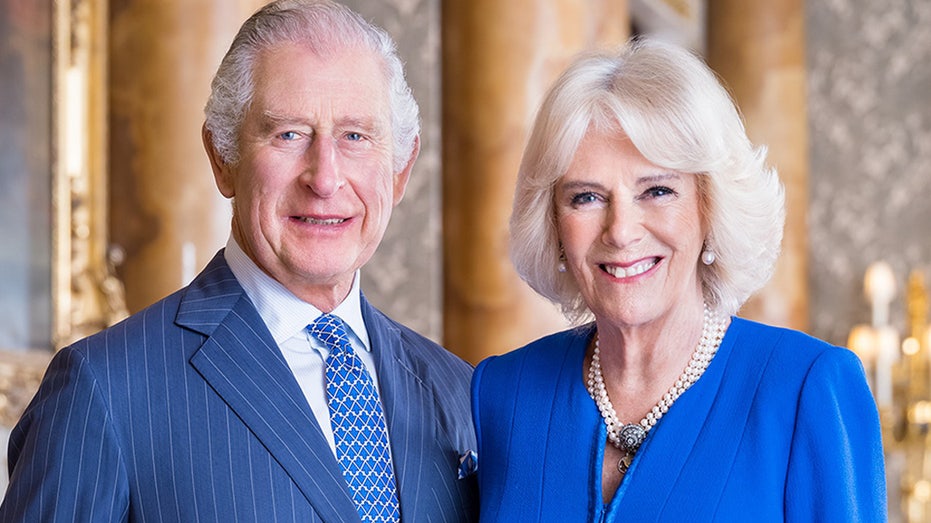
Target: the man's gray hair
pixel 323 26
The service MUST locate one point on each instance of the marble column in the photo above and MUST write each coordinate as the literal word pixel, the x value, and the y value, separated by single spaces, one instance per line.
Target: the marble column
pixel 498 60
pixel 758 48
pixel 165 211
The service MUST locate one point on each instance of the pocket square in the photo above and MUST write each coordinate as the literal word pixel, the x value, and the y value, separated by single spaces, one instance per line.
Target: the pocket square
pixel 468 464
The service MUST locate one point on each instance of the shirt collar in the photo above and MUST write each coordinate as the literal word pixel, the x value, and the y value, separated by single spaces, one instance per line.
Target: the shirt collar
pixel 285 314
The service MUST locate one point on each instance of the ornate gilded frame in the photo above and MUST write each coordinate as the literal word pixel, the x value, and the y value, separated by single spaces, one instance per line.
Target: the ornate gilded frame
pixel 86 296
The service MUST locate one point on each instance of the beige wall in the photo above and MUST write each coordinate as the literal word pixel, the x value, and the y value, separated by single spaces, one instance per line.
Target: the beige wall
pixel 869 99
pixel 404 275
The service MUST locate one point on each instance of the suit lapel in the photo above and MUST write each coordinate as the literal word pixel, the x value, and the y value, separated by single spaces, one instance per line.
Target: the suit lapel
pixel 243 365
pixel 409 405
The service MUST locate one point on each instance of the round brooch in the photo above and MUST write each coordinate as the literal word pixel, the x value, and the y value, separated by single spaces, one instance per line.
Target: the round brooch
pixel 632 436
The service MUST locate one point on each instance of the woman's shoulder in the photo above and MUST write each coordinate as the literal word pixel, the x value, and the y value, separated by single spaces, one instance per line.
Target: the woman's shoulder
pixel 790 347
pixel 544 359
pixel 524 384
pixel 781 336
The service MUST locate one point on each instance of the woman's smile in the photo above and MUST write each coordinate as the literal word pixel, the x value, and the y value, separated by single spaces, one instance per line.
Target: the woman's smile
pixel 635 269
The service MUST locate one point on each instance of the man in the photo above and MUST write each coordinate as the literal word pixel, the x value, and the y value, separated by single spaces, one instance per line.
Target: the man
pixel 269 389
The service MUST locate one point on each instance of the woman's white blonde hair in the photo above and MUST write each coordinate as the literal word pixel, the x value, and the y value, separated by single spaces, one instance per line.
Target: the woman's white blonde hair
pixel 678 115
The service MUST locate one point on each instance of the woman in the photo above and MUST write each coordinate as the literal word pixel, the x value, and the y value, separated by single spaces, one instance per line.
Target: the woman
pixel 641 204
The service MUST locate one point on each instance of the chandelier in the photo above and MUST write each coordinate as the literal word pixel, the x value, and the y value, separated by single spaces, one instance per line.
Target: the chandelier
pixel 898 368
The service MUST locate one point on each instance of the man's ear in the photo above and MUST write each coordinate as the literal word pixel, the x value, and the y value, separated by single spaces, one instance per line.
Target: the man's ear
pixel 401 178
pixel 222 174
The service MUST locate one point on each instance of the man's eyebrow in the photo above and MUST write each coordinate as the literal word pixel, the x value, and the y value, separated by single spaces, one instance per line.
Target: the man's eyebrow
pixel 271 119
pixel 370 125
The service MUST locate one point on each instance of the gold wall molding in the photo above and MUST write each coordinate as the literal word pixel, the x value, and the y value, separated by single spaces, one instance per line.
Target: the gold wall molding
pixel 20 374
pixel 86 296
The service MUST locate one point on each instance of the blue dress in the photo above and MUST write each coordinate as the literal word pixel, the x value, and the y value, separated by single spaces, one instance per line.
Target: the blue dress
pixel 781 427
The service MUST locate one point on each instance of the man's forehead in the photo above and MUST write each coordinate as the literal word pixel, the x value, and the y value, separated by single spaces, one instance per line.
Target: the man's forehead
pixel 360 120
pixel 294 84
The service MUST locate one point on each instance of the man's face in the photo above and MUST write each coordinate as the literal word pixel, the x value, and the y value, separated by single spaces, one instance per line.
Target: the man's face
pixel 314 187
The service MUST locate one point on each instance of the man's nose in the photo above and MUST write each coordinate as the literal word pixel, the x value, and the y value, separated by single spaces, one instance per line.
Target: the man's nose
pixel 322 173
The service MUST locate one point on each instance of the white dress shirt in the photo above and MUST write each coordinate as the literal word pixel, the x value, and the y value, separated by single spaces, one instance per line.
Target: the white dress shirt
pixel 287 318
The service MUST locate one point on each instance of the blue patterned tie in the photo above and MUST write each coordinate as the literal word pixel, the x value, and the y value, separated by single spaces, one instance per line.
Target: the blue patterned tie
pixel 358 425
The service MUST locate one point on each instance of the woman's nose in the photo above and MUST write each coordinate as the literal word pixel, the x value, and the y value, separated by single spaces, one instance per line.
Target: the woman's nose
pixel 624 224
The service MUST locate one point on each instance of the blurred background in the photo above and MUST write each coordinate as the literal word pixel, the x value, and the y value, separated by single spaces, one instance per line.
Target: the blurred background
pixel 108 203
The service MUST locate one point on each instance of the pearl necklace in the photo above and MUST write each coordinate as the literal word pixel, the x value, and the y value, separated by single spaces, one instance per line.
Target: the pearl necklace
pixel 629 437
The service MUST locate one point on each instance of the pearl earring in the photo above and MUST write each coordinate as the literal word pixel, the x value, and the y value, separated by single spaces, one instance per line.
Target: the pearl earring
pixel 561 266
pixel 707 256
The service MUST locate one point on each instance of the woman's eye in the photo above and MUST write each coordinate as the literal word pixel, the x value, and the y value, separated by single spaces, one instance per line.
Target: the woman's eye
pixel 584 198
pixel 659 191
pixel 288 135
pixel 354 137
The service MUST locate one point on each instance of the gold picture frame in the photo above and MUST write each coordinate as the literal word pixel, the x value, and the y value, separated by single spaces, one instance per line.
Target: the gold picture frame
pixel 85 294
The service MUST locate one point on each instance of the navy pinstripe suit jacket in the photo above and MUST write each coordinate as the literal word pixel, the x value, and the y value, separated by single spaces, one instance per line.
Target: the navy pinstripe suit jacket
pixel 187 411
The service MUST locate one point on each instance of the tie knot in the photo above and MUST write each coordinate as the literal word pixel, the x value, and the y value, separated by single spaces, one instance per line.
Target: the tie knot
pixel 331 331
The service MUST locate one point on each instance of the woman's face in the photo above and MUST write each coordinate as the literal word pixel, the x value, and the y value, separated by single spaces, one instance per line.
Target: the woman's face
pixel 632 231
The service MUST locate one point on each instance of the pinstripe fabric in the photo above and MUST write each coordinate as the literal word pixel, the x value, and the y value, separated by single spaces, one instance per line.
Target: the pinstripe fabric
pixel 188 412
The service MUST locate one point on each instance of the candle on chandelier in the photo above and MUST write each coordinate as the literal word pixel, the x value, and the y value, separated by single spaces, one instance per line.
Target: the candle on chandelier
pixel 887 354
pixel 862 341
pixel 879 284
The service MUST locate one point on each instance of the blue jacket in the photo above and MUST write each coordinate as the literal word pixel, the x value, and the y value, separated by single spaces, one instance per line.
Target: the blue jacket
pixel 781 427
pixel 187 411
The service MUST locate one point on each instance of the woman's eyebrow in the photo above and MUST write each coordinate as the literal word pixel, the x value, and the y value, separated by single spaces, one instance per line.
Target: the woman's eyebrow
pixel 660 177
